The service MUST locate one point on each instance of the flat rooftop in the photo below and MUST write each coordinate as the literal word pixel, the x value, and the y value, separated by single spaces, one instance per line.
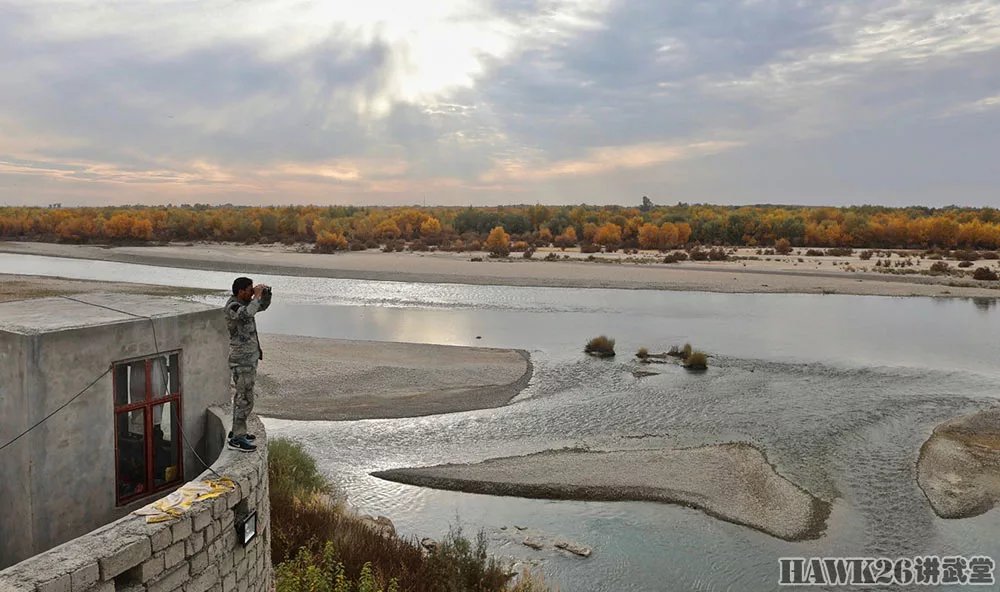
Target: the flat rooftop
pixel 59 313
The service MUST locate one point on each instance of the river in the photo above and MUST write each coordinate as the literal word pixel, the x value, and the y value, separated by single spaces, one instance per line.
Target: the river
pixel 838 391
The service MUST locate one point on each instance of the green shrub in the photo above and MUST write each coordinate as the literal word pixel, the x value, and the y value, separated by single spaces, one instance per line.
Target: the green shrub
pixel 322 572
pixel 984 274
pixel 318 546
pixel 461 564
pixel 292 473
pixel 939 267
pixel 696 361
pixel 600 346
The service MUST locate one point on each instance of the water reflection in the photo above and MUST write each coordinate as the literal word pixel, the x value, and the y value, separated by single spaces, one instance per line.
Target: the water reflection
pixel 985 304
pixel 839 391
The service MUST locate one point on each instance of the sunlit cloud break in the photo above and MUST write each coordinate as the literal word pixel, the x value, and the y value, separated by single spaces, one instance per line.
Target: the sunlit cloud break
pixel 460 101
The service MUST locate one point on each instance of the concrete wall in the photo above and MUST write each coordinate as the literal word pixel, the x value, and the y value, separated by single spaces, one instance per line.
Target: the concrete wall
pixel 58 482
pixel 197 552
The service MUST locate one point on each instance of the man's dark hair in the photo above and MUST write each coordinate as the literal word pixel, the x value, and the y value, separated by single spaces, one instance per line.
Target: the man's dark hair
pixel 241 283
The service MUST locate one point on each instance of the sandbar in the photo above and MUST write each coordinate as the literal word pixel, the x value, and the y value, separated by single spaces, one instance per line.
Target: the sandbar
pixel 733 482
pixel 308 378
pixel 959 465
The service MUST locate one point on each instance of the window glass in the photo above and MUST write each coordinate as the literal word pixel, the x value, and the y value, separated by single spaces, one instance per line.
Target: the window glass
pixel 121 384
pixel 149 457
pixel 158 377
pixel 166 444
pixel 137 382
pixel 175 374
pixel 131 453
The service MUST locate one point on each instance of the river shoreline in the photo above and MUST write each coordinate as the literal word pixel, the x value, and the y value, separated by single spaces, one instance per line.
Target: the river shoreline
pixel 25 287
pixel 606 271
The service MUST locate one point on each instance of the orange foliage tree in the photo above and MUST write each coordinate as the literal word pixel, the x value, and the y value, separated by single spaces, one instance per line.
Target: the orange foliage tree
pixel 608 235
pixel 676 225
pixel 498 242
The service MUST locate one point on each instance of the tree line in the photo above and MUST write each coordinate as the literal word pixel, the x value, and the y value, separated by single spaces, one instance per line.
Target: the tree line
pixel 612 227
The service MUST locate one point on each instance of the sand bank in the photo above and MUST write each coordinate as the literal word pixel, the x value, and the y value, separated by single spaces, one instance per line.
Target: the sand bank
pixel 330 379
pixel 959 465
pixel 23 287
pixel 733 482
pixel 786 276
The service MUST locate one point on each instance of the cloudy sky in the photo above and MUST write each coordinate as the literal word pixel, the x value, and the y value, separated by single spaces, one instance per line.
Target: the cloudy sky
pixel 521 101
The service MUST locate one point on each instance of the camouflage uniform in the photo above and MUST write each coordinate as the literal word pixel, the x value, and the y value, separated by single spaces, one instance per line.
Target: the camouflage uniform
pixel 244 353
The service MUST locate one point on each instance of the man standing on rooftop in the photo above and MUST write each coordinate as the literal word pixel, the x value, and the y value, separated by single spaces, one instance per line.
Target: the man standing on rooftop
pixel 244 353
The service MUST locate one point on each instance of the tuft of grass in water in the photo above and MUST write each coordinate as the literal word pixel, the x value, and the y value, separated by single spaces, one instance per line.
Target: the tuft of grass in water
pixel 600 346
pixel 696 361
pixel 642 354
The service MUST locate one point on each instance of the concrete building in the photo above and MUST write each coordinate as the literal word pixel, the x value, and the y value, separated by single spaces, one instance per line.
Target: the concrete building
pixel 154 366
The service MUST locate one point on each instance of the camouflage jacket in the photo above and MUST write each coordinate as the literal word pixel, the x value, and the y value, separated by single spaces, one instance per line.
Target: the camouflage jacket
pixel 244 346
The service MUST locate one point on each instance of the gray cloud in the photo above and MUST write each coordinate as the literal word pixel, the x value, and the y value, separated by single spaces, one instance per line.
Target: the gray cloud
pixel 724 101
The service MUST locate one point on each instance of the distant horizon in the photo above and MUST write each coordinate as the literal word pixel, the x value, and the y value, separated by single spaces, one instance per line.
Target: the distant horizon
pixel 504 205
pixel 823 103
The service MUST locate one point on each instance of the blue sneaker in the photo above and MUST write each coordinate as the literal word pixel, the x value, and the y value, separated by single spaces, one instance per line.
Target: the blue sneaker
pixel 242 444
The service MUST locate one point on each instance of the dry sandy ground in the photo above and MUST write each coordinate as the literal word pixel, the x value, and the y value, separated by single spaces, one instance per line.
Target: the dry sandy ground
pixel 330 379
pixel 23 287
pixel 733 482
pixel 780 275
pixel 959 465
pixel 310 378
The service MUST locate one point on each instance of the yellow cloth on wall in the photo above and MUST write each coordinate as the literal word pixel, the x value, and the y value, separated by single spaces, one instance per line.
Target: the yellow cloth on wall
pixel 180 501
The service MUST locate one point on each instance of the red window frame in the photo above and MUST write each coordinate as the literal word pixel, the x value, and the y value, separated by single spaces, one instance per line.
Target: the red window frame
pixel 147 405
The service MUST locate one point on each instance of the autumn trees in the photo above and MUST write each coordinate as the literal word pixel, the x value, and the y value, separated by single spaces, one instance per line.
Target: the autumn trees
pixel 591 227
pixel 498 242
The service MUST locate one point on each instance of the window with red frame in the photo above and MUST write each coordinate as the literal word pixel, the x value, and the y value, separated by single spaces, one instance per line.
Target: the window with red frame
pixel 148 455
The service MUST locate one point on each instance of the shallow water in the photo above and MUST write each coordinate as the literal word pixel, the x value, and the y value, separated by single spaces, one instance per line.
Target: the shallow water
pixel 838 391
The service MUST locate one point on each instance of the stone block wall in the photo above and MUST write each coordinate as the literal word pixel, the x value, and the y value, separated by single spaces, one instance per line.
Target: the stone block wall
pixel 58 482
pixel 198 552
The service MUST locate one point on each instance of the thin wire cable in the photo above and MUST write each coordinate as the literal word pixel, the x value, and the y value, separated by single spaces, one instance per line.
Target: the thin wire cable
pixel 156 347
pixel 176 420
pixel 157 351
pixel 86 388
pixel 58 409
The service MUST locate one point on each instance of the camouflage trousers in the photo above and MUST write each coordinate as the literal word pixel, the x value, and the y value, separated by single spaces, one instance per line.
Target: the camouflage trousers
pixel 243 377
